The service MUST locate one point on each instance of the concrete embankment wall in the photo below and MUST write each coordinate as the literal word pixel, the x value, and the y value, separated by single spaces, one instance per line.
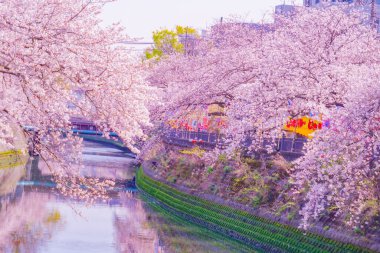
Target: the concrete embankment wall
pixel 261 234
pixel 12 160
pixel 19 141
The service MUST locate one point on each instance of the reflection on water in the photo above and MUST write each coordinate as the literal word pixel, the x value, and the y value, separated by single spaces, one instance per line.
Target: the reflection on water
pixel 10 176
pixel 87 228
pixel 38 219
pixel 134 233
pixel 26 222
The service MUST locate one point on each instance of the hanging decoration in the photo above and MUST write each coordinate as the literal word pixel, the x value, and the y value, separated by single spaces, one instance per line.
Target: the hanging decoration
pixel 305 126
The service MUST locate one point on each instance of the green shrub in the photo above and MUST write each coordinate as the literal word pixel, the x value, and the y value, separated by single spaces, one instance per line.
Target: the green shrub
pixel 358 231
pixel 227 169
pixel 275 177
pixel 238 183
pixel 287 186
pixel 254 164
pixel 222 158
pixel 257 200
pixel 184 169
pixel 244 200
pixel 172 179
pixel 269 164
pixel 285 206
pixel 291 215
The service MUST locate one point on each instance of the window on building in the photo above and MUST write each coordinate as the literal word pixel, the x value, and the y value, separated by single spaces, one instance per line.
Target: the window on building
pixel 317 1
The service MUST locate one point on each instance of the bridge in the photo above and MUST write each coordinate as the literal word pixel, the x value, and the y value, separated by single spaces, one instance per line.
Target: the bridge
pixel 97 136
pixel 93 136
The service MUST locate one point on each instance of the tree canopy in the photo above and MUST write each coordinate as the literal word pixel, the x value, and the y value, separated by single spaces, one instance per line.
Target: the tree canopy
pixel 167 42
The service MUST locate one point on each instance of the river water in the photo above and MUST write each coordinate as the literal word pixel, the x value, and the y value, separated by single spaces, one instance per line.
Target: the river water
pixel 39 219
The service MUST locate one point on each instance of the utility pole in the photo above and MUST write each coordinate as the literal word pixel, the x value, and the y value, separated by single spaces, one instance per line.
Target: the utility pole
pixel 373 13
pixel 365 4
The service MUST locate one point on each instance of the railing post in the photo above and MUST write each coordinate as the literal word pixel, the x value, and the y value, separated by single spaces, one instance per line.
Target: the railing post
pixel 292 147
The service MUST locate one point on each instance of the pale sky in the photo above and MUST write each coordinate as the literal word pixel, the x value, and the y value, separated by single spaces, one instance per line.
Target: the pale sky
pixel 142 17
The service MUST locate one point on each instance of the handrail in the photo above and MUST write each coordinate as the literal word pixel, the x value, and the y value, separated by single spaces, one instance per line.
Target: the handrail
pixel 189 138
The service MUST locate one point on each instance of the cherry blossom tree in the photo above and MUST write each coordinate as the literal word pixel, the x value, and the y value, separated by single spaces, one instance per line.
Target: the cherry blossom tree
pixel 310 60
pixel 57 61
pixel 341 166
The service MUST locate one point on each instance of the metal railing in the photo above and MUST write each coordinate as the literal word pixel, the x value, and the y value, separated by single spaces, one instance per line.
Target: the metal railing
pixel 189 138
pixel 208 140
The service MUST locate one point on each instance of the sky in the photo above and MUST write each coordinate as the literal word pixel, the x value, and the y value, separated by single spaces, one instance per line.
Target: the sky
pixel 142 17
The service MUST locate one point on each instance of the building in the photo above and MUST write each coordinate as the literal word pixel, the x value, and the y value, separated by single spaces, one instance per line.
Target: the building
pixel 372 7
pixel 189 42
pixel 284 9
pixel 309 3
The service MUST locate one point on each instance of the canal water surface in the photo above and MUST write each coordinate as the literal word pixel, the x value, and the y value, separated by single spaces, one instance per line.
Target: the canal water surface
pixel 39 219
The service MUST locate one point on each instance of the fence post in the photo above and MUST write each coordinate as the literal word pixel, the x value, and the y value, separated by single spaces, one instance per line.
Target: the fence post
pixel 292 147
